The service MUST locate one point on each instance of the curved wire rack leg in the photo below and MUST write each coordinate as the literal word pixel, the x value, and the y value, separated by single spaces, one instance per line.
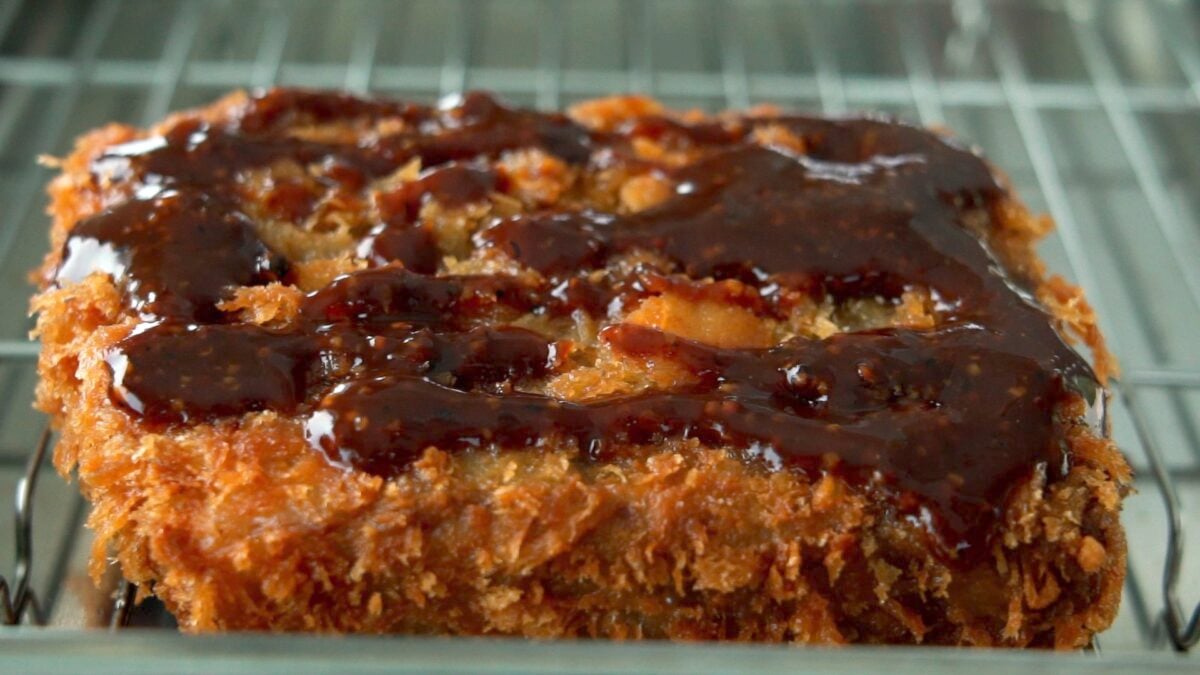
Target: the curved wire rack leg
pixel 123 605
pixel 19 600
pixel 1184 633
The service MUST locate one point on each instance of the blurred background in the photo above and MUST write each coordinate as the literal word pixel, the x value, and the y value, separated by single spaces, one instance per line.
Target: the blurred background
pixel 1093 109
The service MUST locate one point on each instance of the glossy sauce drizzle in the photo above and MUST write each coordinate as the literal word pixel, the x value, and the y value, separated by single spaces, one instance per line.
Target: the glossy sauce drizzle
pixel 386 362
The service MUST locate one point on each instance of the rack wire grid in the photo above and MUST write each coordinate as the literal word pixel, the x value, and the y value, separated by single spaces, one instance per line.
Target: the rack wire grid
pixel 1093 109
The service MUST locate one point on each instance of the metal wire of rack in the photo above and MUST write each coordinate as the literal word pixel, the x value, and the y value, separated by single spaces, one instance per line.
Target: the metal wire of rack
pixel 1091 108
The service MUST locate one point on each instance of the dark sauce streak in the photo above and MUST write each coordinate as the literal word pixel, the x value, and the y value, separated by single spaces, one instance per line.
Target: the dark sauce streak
pixel 387 362
pixel 387 319
pixel 233 369
pixel 480 126
pixel 400 237
pixel 199 154
pixel 390 295
pixel 179 253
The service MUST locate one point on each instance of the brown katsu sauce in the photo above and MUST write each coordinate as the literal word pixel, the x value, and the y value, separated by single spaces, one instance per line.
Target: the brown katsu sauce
pixel 401 237
pixel 179 253
pixel 386 362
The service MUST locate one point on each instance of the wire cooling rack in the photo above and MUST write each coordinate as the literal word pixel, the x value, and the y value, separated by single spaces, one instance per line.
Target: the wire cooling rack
pixel 1092 108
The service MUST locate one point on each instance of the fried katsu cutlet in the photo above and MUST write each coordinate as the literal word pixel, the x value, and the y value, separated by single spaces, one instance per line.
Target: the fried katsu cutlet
pixel 324 363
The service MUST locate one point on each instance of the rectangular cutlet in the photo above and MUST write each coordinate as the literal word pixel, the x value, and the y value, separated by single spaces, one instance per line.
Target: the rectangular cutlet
pixel 335 364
